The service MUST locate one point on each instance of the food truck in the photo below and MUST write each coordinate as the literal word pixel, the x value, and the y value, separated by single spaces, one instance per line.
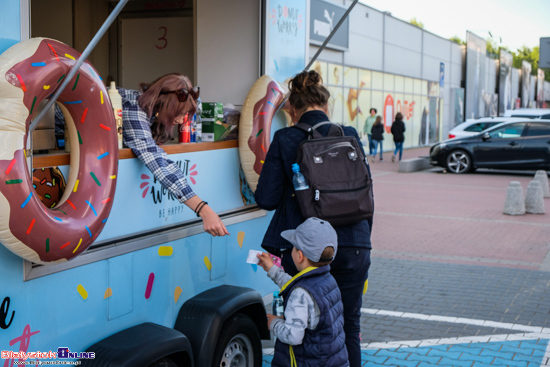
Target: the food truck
pixel 137 282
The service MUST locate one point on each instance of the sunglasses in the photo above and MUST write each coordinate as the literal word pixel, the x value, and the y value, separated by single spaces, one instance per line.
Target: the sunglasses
pixel 184 93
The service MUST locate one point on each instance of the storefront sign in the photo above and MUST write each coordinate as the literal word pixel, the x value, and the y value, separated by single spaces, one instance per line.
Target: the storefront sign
pixel 323 18
pixel 544 54
pixel 285 41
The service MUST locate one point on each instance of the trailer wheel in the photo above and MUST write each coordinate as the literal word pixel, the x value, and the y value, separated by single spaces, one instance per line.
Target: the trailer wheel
pixel 239 344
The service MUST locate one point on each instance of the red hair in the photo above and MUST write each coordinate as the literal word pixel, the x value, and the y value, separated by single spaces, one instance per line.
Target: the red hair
pixel 166 106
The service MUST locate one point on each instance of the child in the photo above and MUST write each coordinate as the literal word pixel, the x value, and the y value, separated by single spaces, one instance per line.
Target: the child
pixel 312 330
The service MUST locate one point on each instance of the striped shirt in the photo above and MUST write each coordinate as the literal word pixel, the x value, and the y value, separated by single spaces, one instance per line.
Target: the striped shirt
pixel 136 127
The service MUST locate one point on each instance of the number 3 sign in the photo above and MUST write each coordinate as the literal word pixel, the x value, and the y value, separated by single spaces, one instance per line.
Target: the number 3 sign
pixel 163 42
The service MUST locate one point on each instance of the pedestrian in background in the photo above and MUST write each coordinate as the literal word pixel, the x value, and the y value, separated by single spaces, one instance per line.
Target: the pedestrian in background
pixel 368 127
pixel 377 132
pixel 308 103
pixel 398 132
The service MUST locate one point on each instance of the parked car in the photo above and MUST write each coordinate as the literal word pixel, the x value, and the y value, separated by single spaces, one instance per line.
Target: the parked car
pixel 475 126
pixel 523 145
pixel 532 113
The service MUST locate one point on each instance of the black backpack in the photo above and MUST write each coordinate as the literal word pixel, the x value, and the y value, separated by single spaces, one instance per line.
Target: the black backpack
pixel 340 186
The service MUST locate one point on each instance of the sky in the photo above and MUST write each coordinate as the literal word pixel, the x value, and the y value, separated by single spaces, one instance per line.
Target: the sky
pixel 517 22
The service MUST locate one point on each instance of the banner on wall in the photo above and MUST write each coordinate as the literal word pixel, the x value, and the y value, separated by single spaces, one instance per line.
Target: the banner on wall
pixel 475 74
pixel 525 83
pixel 515 85
pixel 458 101
pixel 285 43
pixel 532 90
pixel 540 88
pixel 506 99
pixel 323 18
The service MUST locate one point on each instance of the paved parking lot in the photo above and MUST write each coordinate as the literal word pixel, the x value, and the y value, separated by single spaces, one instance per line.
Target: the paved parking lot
pixel 453 281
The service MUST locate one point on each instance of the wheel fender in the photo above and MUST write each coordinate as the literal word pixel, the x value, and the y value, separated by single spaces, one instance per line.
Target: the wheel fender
pixel 140 346
pixel 202 317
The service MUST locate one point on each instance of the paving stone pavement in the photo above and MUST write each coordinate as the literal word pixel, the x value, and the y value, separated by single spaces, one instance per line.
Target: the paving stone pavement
pixel 453 281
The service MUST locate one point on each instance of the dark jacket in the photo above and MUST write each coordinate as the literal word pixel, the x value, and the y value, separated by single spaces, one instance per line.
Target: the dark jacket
pixel 378 132
pixel 275 191
pixel 325 346
pixel 398 131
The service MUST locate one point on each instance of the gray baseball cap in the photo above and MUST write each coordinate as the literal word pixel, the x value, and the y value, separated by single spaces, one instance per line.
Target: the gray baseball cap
pixel 312 237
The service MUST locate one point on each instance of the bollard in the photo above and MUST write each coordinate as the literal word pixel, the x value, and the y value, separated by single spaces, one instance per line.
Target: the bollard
pixel 534 199
pixel 514 204
pixel 542 177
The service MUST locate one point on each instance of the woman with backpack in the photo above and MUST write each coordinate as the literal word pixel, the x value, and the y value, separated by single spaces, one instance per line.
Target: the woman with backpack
pixel 377 137
pixel 398 132
pixel 308 102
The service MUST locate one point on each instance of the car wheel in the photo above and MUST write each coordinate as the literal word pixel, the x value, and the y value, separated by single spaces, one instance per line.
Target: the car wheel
pixel 458 161
pixel 239 344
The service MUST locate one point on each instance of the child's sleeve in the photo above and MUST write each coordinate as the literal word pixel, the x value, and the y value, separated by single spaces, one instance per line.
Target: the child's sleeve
pixel 278 276
pixel 297 313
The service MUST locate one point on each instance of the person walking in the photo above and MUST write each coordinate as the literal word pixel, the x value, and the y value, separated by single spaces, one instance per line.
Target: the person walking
pixel 377 137
pixel 308 103
pixel 398 132
pixel 368 127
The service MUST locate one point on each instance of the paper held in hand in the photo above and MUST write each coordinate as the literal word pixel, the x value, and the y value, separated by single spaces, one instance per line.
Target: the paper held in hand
pixel 253 257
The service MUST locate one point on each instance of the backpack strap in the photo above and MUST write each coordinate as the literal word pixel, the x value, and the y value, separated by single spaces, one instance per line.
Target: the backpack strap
pixel 312 133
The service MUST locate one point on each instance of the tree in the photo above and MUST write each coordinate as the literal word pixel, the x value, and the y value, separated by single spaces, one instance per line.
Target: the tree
pixel 531 56
pixel 458 40
pixel 493 50
pixel 417 23
pixel 522 54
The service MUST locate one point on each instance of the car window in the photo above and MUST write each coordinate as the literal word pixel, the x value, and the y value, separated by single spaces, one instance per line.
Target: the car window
pixel 474 128
pixel 508 131
pixel 487 125
pixel 546 116
pixel 538 129
pixel 527 116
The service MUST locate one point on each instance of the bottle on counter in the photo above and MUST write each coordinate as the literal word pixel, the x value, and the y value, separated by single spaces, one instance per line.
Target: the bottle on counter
pixel 194 129
pixel 185 130
pixel 116 102
pixel 198 122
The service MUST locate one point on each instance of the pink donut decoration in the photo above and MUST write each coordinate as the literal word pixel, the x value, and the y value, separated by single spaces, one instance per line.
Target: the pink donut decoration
pixel 262 102
pixel 30 72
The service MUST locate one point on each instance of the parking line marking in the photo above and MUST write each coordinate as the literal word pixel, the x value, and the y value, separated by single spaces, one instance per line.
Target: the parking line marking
pixel 458 340
pixel 458 320
pixel 546 358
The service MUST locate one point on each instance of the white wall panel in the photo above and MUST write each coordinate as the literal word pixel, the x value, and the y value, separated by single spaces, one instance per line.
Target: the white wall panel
pixel 437 47
pixel 327 54
pixel 456 75
pixel 456 53
pixel 364 52
pixel 366 21
pixel 403 34
pixel 430 68
pixel 398 60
